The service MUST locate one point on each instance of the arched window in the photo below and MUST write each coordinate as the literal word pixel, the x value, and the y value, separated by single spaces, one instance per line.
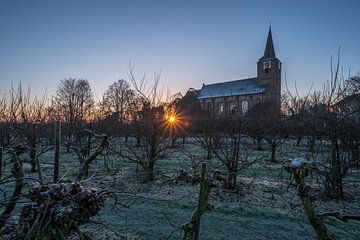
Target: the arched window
pixel 209 106
pixel 220 108
pixel 251 98
pixel 244 106
pixel 232 108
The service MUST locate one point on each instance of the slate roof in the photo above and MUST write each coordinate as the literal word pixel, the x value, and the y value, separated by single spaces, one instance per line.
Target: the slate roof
pixel 232 88
pixel 269 52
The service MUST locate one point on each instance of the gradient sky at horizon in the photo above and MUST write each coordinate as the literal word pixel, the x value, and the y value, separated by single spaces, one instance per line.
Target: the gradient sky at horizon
pixel 190 42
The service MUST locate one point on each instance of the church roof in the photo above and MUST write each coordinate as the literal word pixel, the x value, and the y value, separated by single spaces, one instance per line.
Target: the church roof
pixel 269 52
pixel 231 88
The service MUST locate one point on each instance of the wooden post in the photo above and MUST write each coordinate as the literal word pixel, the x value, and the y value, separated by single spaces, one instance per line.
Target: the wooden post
pixel 57 150
pixel 1 161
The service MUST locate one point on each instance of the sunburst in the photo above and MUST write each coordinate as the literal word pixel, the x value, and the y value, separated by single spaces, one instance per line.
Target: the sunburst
pixel 174 122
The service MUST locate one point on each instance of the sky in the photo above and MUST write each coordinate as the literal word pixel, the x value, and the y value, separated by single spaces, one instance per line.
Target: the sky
pixel 190 42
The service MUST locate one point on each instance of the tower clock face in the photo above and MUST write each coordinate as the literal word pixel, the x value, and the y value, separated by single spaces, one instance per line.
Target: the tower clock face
pixel 267 65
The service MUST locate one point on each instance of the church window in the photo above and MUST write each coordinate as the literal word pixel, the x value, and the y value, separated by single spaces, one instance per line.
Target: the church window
pixel 244 106
pixel 221 108
pixel 232 108
pixel 209 106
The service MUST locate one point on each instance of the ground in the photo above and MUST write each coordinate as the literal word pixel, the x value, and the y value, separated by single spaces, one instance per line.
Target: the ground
pixel 266 205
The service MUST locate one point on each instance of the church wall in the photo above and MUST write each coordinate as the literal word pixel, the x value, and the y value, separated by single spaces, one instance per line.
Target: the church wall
pixel 232 106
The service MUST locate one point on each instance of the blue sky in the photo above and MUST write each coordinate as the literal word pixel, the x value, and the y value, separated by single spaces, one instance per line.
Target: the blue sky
pixel 190 42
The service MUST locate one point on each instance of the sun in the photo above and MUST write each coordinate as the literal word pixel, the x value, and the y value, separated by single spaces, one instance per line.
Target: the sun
pixel 172 119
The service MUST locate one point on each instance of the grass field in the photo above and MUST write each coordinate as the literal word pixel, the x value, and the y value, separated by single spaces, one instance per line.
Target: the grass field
pixel 265 207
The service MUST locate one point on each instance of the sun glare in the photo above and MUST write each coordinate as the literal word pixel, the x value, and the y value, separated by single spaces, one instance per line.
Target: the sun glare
pixel 172 119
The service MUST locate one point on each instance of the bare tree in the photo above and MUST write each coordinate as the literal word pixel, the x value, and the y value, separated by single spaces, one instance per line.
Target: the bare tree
pixel 230 150
pixel 206 127
pixel 154 143
pixel 256 127
pixel 5 123
pixel 28 115
pixel 73 103
pixel 333 91
pixel 331 116
pixel 73 100
pixel 327 119
pixel 351 104
pixel 153 140
pixel 117 99
pixel 265 123
pixel 85 154
pixel 275 135
pixel 296 108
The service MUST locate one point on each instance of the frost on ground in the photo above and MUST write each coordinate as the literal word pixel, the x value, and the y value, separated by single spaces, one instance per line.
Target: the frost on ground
pixel 265 205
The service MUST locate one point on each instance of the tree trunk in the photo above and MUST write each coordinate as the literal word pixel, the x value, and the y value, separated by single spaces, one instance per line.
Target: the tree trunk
pixel 173 141
pixel 209 149
pixel 355 156
pixel 259 147
pixel 273 150
pixel 39 170
pixel 17 171
pixel 68 146
pixel 57 151
pixel 335 190
pixel 192 228
pixel 150 171
pixel 88 145
pixel 300 173
pixel 312 143
pixel 138 141
pixel 84 167
pixel 231 178
pixel 298 141
pixel 1 161
pixel 32 148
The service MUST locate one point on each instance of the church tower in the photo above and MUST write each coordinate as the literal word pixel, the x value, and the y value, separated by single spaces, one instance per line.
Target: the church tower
pixel 269 73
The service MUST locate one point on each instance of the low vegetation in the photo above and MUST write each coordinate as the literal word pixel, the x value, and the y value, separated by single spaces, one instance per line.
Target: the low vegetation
pixel 134 166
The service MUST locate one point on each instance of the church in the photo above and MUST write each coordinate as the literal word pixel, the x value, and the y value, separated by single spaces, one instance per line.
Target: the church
pixel 235 98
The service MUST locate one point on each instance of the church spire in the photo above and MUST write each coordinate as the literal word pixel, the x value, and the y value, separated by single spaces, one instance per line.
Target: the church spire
pixel 269 48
